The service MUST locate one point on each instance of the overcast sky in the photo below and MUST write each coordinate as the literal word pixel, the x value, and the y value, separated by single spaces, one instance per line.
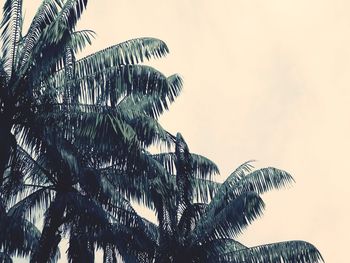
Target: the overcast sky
pixel 265 80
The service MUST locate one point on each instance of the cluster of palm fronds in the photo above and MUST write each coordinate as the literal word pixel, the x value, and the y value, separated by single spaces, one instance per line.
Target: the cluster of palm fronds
pixel 74 135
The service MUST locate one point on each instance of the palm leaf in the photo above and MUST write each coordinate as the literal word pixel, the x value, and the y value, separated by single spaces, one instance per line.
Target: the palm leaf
pixel 149 131
pixel 136 188
pixel 114 83
pixel 126 53
pixel 204 190
pixel 45 15
pixel 240 172
pixel 231 219
pixel 71 12
pixel 33 203
pixel 260 181
pixel 190 217
pixel 202 167
pixel 11 26
pixel 46 51
pixel 153 105
pixel 137 243
pixel 17 236
pixel 284 252
pixel 215 248
pixel 80 39
pixel 240 182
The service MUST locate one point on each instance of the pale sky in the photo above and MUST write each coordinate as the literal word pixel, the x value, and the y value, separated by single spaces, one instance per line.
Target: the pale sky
pixel 265 80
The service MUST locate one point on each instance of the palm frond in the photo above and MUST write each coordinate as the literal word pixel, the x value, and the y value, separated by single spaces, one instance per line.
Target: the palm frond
pixel 67 18
pixel 215 248
pixel 105 201
pixel 45 15
pixel 284 252
pixel 136 188
pixel 149 131
pixel 231 219
pixel 80 39
pixel 33 203
pixel 111 85
pixel 167 160
pixel 33 168
pixel 132 243
pixel 260 181
pixel 29 136
pixel 106 132
pixel 240 172
pixel 243 181
pixel 139 182
pixel 202 167
pixel 154 105
pixel 204 190
pixel 190 217
pixel 17 236
pixel 46 53
pixel 11 26
pixel 130 52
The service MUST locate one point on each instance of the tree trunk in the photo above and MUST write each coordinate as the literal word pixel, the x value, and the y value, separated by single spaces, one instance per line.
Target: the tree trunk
pixel 51 236
pixel 5 145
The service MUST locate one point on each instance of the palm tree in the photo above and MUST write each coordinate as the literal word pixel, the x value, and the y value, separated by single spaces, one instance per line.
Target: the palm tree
pixel 200 219
pixel 41 80
pixel 64 175
pixel 93 201
pixel 75 190
pixel 56 110
pixel 73 138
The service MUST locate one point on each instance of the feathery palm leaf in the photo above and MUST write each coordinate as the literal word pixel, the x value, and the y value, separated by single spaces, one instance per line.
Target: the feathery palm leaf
pixel 204 232
pixel 284 252
pixel 230 220
pixel 11 26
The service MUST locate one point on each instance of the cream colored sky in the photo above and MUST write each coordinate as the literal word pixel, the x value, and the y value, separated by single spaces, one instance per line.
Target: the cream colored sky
pixel 266 80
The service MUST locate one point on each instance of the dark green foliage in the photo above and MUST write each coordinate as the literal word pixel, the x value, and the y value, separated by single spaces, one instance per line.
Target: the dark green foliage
pixel 65 120
pixel 290 251
pixel 73 150
pixel 202 228
pixel 17 235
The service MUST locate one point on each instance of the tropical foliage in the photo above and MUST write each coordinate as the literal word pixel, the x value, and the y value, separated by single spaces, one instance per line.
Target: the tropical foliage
pixel 73 155
pixel 199 219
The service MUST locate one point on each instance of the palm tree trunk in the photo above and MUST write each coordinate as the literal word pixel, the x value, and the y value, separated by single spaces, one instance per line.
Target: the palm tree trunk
pixel 51 236
pixel 5 145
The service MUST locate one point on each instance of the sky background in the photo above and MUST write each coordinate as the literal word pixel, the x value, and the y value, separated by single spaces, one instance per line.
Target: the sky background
pixel 264 80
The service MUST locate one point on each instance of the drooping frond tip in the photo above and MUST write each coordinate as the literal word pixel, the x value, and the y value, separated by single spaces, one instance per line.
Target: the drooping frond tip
pixel 283 252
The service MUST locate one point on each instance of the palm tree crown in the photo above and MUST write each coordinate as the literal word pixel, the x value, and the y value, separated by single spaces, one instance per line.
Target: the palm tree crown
pixel 64 119
pixel 200 219
pixel 73 151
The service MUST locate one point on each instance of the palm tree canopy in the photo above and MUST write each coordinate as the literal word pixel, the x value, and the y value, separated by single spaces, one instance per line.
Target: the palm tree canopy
pixel 64 117
pixel 203 227
pixel 74 138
